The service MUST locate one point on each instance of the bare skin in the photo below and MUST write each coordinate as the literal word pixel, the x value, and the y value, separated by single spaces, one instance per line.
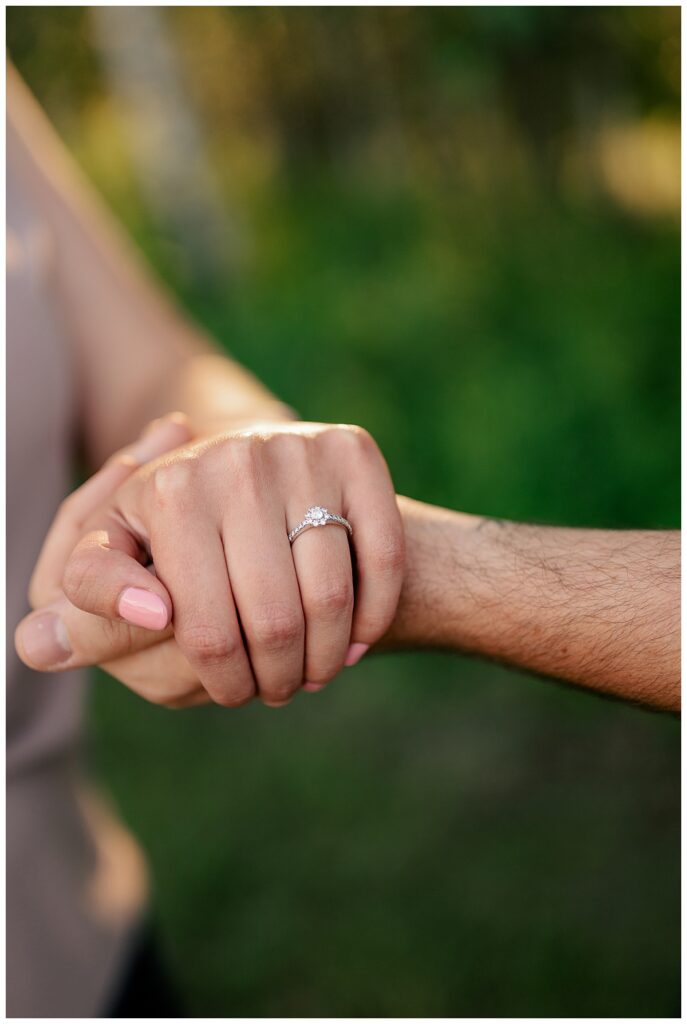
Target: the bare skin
pixel 598 608
pixel 128 338
pixel 136 358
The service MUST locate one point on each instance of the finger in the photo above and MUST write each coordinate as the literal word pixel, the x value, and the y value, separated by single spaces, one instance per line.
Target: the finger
pixel 325 578
pixel 195 699
pixel 161 675
pixel 161 436
pixel 190 561
pixel 378 543
pixel 267 597
pixel 104 575
pixel 67 528
pixel 60 637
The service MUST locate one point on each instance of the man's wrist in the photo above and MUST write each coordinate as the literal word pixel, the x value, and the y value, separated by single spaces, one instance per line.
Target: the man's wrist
pixel 447 588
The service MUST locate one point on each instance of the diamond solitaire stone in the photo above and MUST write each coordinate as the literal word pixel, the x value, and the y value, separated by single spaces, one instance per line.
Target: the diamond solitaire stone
pixel 319 516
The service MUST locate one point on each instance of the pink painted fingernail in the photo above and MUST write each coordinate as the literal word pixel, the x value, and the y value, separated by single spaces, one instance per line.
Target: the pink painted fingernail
pixel 44 641
pixel 141 608
pixel 355 653
pixel 314 687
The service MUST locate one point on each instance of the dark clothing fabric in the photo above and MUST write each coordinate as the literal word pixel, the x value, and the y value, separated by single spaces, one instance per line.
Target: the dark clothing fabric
pixel 147 989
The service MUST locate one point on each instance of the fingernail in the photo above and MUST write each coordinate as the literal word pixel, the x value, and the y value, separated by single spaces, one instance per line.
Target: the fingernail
pixel 157 437
pixel 153 442
pixel 313 687
pixel 44 641
pixel 355 653
pixel 180 418
pixel 141 608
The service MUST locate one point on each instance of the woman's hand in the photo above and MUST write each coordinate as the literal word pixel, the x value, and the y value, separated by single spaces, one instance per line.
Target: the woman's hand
pixel 57 636
pixel 250 613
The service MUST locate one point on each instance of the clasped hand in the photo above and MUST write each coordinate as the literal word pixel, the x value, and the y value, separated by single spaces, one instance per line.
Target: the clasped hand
pixel 172 568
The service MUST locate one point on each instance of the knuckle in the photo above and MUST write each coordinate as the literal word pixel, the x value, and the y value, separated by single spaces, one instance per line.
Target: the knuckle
pixel 81 578
pixel 356 438
pixel 277 626
pixel 287 441
pixel 170 482
pixel 330 597
pixel 244 456
pixel 116 637
pixel 208 645
pixel 363 438
pixel 291 450
pixel 244 453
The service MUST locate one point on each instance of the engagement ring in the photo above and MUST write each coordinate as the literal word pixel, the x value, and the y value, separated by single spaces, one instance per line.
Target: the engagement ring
pixel 318 516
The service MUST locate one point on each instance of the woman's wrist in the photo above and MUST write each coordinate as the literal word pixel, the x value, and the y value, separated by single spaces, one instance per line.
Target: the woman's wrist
pixel 219 396
pixel 263 413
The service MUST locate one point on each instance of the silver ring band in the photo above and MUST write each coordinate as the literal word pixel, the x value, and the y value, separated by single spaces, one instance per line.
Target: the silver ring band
pixel 318 516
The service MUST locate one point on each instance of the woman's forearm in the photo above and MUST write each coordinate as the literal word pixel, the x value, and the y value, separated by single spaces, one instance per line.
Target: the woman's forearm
pixel 600 608
pixel 136 355
pixel 216 394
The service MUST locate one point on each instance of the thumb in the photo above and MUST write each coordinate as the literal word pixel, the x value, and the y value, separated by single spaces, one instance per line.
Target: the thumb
pixel 60 637
pixel 104 575
pixel 159 437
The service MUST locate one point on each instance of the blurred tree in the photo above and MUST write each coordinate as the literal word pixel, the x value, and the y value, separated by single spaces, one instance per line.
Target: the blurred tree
pixel 140 62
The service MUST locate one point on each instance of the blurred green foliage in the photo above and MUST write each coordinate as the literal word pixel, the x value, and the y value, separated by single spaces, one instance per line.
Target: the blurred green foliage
pixel 432 239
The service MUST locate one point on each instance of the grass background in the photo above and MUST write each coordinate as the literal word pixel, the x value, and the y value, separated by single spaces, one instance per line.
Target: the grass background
pixel 432 242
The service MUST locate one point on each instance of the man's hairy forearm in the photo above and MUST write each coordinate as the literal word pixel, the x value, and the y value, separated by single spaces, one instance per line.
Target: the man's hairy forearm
pixel 600 608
